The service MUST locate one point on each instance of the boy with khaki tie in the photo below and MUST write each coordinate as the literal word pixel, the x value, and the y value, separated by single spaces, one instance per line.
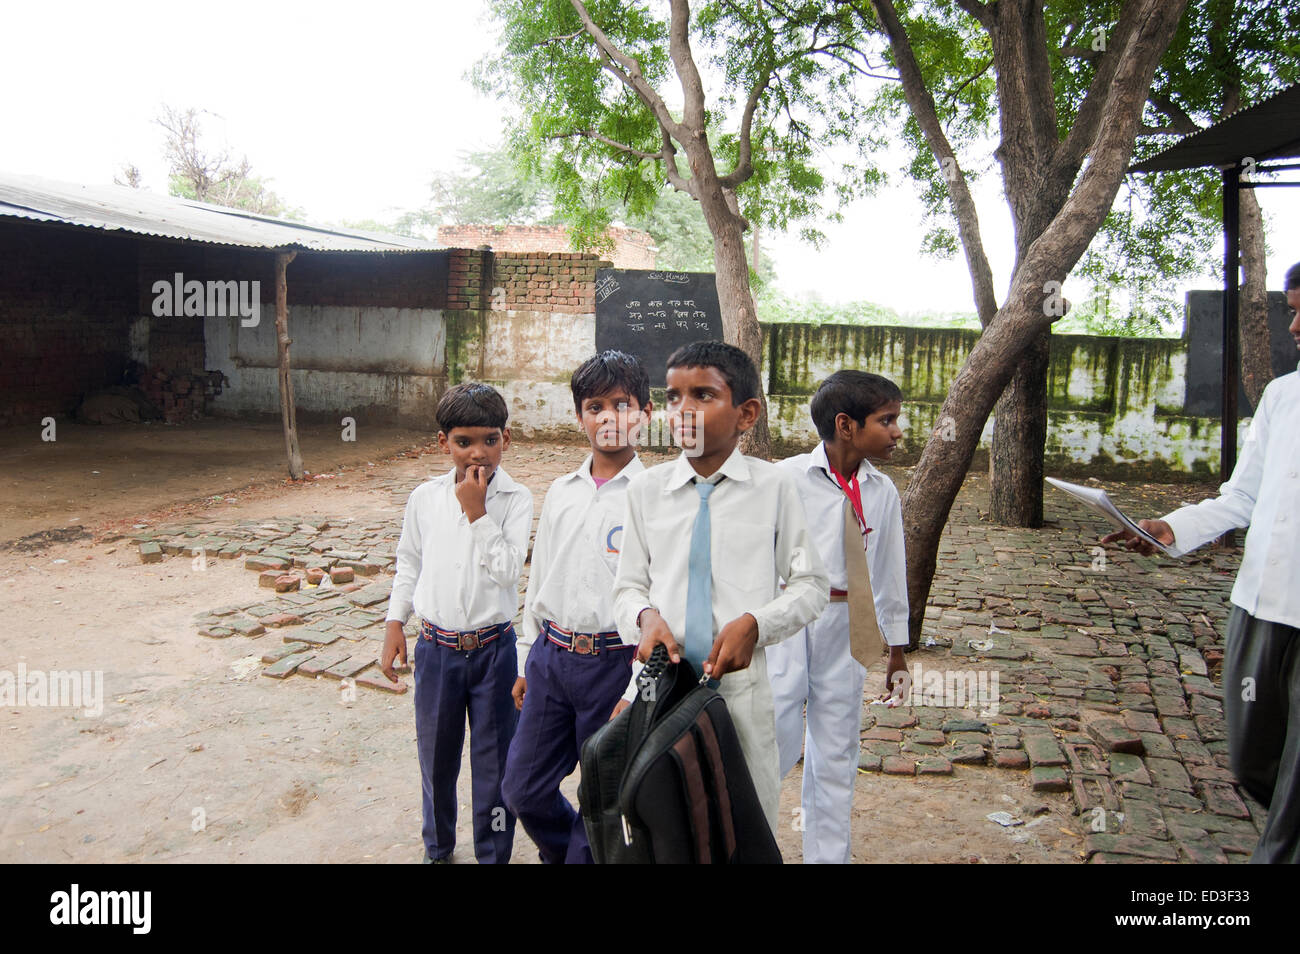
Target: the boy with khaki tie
pixel 859 534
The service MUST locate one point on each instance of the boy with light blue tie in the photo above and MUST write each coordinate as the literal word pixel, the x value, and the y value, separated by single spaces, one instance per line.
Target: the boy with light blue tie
pixel 707 540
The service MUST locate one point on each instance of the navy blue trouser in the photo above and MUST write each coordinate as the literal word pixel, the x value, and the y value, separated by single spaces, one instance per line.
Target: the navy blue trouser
pixel 449 683
pixel 569 697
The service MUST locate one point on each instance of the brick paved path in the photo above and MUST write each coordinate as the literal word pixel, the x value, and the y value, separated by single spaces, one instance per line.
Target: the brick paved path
pixel 1094 671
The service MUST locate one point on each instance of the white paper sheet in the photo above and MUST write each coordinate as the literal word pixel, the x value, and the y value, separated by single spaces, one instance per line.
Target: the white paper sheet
pixel 1096 500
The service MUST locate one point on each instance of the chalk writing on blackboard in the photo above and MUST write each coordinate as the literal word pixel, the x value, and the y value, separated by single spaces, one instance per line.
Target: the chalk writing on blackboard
pixel 653 313
pixel 605 287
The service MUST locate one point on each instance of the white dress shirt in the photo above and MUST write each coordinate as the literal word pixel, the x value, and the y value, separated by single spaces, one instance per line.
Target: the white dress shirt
pixel 575 555
pixel 758 536
pixel 823 502
pixel 456 574
pixel 1264 492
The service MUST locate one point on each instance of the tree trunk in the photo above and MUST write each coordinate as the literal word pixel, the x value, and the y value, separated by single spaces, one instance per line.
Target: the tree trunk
pixel 735 300
pixel 1256 346
pixel 1019 439
pixel 1107 138
pixel 288 414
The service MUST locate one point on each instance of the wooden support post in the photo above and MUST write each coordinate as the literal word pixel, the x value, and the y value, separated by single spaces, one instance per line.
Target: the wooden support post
pixel 288 414
pixel 1231 304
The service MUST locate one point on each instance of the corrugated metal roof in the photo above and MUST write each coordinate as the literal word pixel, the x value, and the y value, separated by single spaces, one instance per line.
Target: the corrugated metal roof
pixel 114 208
pixel 1270 129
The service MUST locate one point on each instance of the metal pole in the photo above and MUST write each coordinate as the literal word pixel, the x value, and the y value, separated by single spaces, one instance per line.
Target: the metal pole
pixel 1231 302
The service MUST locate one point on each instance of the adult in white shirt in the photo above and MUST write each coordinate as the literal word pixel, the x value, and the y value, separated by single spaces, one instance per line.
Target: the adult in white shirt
pixel 1261 663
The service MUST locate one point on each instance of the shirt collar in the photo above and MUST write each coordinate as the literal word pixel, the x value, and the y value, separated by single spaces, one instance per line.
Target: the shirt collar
pixel 818 458
pixel 583 473
pixel 735 467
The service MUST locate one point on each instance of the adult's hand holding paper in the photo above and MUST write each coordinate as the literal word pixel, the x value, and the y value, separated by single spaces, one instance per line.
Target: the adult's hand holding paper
pixel 1095 499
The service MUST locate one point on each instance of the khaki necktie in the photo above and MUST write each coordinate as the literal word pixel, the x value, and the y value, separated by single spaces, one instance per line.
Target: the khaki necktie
pixel 865 638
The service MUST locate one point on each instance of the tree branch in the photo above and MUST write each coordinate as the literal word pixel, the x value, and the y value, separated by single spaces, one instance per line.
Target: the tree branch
pixel 620 146
pixel 744 166
pixel 959 197
pixel 979 11
pixel 562 39
pixel 1069 154
pixel 1179 121
pixel 679 49
pixel 674 174
pixel 628 71
pixel 952 96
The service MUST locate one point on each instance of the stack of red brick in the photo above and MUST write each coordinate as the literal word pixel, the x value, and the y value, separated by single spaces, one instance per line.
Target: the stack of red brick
pixel 181 395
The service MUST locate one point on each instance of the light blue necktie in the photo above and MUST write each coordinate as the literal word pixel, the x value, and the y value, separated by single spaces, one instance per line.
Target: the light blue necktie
pixel 699 584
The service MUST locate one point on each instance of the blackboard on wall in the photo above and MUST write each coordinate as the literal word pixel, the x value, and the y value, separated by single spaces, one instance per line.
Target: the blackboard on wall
pixel 650 314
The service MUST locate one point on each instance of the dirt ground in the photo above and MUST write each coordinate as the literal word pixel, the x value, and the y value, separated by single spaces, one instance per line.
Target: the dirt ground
pixel 196 757
pixel 94 473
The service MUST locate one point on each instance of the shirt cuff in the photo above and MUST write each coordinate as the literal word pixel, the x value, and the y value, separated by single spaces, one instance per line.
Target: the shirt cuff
pixel 1181 525
pixel 485 532
pixel 629 694
pixel 399 612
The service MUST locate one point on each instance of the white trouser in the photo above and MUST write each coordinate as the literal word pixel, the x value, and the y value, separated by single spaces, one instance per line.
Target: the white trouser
pixel 815 667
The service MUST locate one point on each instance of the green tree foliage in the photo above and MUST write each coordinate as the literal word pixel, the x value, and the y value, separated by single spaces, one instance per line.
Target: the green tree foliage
pixel 1163 229
pixel 610 93
pixel 599 145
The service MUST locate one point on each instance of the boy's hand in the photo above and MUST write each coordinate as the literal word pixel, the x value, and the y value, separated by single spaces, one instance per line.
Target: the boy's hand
pixel 1157 528
pixel 653 632
pixel 472 493
pixel 520 687
pixel 619 707
pixel 734 648
pixel 394 647
pixel 896 664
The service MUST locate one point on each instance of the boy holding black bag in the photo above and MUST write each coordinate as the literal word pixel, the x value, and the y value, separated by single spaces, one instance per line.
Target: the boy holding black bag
pixel 707 540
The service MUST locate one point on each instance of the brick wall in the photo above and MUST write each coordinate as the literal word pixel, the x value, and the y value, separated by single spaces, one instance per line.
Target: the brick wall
pixel 555 282
pixel 67 297
pixel 632 247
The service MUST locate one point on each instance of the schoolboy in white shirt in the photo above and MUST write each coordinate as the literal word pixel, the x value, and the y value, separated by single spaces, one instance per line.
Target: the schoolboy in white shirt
pixel 464 538
pixel 856 415
pixel 573 665
pixel 1261 658
pixel 707 539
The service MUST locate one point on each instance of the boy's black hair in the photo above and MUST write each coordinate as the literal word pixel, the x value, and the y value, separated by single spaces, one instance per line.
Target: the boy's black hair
pixel 855 393
pixel 732 363
pixel 471 405
pixel 607 372
pixel 1293 277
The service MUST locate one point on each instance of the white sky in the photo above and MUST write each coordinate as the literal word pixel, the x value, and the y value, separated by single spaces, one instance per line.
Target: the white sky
pixel 351 111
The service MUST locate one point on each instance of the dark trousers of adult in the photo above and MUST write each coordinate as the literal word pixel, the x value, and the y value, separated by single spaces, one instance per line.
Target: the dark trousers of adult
pixel 569 697
pixel 448 684
pixel 1261 701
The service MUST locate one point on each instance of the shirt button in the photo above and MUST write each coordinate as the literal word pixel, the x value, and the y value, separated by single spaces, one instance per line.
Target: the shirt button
pixel 1281 518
